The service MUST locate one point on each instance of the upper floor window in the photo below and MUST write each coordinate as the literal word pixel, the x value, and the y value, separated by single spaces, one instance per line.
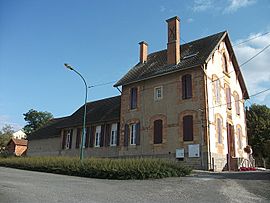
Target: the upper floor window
pixel 98 136
pixel 113 140
pixel 186 86
pixel 188 128
pixel 133 97
pixel 158 93
pixel 237 104
pixel 228 97
pixel 219 130
pixel 67 139
pixel 158 126
pixel 224 63
pixel 132 134
pixel 216 84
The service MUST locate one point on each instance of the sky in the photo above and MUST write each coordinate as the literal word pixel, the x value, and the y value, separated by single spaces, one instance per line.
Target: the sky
pixel 99 38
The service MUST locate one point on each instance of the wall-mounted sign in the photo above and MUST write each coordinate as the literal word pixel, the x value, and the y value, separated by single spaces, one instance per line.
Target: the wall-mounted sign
pixel 180 153
pixel 194 150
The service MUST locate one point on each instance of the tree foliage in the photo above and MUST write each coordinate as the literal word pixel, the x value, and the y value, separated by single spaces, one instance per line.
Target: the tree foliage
pixel 5 135
pixel 258 130
pixel 35 120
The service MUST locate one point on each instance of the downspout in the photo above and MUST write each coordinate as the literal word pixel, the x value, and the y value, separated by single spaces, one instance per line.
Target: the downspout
pixel 206 113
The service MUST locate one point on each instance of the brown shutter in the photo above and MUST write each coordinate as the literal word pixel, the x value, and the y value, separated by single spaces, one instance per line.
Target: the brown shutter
pixel 64 139
pixel 87 134
pixel 188 128
pixel 107 134
pixel 184 87
pixel 133 97
pixel 102 135
pixel 137 127
pixel 126 135
pixel 92 136
pixel 188 86
pixel 70 140
pixel 158 131
pixel 78 137
pixel 118 134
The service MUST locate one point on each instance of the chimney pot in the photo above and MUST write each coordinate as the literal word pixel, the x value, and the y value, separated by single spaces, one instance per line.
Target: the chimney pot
pixel 143 51
pixel 173 45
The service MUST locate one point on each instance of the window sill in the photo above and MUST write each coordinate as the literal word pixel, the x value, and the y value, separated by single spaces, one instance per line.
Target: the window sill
pixel 158 144
pixel 188 142
pixel 113 145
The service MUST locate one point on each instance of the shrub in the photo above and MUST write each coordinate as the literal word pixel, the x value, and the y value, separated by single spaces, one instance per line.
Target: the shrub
pixel 104 168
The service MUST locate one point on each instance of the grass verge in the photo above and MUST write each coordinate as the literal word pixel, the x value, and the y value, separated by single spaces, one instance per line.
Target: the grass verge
pixel 139 168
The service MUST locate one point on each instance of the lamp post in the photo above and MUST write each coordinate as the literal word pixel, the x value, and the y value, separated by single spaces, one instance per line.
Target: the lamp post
pixel 84 115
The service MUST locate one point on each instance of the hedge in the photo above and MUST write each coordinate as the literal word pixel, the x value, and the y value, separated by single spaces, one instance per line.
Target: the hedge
pixel 135 168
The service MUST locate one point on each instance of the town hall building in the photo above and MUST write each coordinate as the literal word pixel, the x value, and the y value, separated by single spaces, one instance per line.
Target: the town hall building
pixel 184 103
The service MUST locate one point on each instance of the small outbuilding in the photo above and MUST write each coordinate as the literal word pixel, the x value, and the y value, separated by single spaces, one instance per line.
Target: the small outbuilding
pixel 17 147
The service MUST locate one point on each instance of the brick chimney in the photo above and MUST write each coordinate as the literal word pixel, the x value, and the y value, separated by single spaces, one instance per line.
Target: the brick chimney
pixel 173 45
pixel 143 51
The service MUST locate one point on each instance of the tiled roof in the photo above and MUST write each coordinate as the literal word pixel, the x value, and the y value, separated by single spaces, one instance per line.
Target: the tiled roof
pixel 20 142
pixel 48 131
pixel 100 111
pixel 193 54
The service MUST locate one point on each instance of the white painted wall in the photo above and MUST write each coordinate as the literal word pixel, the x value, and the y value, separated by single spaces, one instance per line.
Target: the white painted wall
pixel 214 66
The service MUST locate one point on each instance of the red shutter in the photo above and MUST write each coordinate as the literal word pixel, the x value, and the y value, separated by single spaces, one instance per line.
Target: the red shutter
pixel 158 131
pixel 188 128
pixel 137 127
pixel 237 104
pixel 126 135
pixel 64 139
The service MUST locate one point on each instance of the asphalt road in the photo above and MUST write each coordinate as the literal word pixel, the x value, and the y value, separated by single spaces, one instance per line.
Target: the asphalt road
pixel 34 187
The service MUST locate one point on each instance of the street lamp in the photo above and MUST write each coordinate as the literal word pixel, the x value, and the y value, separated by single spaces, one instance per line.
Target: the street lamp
pixel 84 115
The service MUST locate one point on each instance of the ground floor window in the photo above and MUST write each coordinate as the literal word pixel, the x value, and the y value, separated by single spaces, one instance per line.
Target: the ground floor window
pixel 133 134
pixel 113 140
pixel 97 136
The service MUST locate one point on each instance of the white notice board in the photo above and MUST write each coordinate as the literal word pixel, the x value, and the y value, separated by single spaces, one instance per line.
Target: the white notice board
pixel 194 150
pixel 180 153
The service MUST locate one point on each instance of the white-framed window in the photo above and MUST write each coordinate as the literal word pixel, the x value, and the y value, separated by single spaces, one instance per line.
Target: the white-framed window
pixel 132 134
pixel 97 136
pixel 158 93
pixel 68 139
pixel 113 139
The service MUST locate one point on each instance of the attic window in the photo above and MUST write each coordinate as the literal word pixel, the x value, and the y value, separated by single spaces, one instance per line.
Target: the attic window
pixel 190 56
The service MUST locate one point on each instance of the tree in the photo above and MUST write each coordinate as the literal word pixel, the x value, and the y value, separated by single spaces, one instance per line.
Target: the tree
pixel 5 135
pixel 258 130
pixel 35 120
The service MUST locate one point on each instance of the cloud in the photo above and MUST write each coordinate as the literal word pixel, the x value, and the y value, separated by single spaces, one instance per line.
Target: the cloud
pixel 202 5
pixel 234 5
pixel 256 72
pixel 190 20
pixel 162 8
pixel 5 120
